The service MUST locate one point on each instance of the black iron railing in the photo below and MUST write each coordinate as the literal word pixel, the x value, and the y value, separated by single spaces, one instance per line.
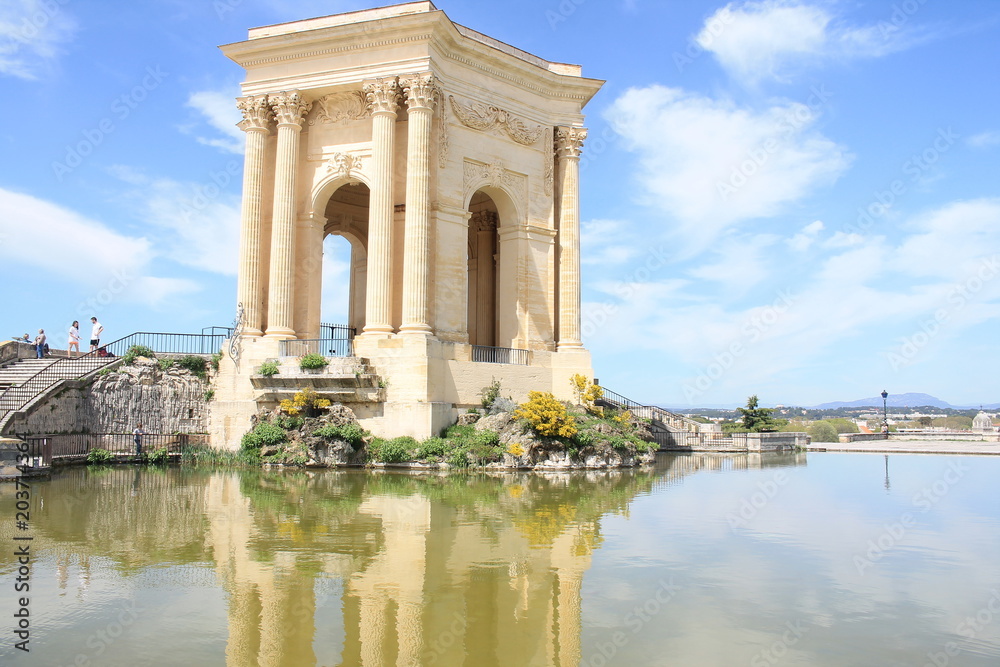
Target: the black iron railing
pixel 652 412
pixel 336 341
pixel 75 368
pixel 500 355
pixel 45 448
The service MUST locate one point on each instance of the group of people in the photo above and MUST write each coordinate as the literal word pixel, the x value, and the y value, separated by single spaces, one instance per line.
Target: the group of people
pixel 42 346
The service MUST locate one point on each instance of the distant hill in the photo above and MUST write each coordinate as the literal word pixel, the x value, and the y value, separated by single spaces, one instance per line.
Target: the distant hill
pixel 912 400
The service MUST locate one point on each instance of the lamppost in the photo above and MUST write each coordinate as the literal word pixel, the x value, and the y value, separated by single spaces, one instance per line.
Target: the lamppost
pixel 885 412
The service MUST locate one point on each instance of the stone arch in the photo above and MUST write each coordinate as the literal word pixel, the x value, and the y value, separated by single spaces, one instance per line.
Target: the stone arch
pixel 345 213
pixel 492 256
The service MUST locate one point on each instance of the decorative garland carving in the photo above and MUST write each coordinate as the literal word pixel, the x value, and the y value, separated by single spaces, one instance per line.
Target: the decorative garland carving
pixel 342 164
pixel 444 141
pixel 549 176
pixel 496 174
pixel 484 117
pixel 341 108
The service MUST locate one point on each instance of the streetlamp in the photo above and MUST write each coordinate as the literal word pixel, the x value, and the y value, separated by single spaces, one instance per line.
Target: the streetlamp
pixel 885 412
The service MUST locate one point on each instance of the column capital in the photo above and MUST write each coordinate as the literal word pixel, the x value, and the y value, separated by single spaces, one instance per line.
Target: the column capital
pixel 382 95
pixel 256 112
pixel 289 107
pixel 569 141
pixel 421 90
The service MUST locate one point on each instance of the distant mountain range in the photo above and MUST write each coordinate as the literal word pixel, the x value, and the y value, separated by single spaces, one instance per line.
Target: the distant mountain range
pixel 912 400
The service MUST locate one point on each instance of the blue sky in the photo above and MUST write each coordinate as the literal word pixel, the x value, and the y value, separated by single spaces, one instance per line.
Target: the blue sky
pixel 797 199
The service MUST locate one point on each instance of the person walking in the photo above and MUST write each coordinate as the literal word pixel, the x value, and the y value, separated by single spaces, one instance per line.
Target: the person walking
pixel 95 334
pixel 74 339
pixel 40 344
pixel 137 438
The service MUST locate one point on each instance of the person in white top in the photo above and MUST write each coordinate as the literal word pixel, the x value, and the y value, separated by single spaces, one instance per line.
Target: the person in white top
pixel 74 340
pixel 95 334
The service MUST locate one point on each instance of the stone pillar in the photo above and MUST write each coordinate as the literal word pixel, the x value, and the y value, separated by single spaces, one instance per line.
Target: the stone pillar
pixel 309 271
pixel 289 110
pixel 569 145
pixel 421 96
pixel 382 97
pixel 256 116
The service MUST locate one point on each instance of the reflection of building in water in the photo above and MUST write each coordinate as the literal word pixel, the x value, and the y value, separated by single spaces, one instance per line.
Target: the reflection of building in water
pixel 433 573
pixel 672 468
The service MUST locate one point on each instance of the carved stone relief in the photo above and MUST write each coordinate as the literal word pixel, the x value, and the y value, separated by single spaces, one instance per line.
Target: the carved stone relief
pixel 341 108
pixel 488 118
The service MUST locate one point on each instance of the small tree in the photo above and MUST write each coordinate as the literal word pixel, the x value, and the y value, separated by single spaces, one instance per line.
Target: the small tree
pixel 756 419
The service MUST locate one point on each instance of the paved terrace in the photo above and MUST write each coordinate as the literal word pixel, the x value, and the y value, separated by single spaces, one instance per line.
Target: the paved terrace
pixel 909 447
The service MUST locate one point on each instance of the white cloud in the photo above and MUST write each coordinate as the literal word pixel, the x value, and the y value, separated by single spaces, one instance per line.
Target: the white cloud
pixel 804 239
pixel 31 35
pixel 607 242
pixel 219 110
pixel 774 38
pixel 711 164
pixel 89 255
pixel 984 139
pixel 740 263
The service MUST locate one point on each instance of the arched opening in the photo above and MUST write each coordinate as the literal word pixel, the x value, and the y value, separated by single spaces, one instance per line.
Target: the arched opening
pixel 484 257
pixel 345 260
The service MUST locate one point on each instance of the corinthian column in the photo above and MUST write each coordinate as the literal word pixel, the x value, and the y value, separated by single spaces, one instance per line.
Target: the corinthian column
pixel 256 116
pixel 569 145
pixel 421 96
pixel 289 110
pixel 382 100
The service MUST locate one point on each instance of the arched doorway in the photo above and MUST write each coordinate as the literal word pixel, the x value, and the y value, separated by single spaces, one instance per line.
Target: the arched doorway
pixel 345 259
pixel 484 257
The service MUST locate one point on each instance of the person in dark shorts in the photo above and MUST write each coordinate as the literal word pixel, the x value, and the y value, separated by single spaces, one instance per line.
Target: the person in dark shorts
pixel 95 334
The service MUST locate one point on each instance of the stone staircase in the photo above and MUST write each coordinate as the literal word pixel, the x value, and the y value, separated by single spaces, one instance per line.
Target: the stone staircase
pixel 344 380
pixel 25 381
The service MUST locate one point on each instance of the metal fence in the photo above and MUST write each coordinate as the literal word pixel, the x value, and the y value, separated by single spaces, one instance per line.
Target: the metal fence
pixel 337 341
pixel 500 355
pixel 45 448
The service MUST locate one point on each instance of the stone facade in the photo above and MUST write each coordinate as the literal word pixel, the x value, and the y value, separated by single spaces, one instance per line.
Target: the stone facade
pixel 450 162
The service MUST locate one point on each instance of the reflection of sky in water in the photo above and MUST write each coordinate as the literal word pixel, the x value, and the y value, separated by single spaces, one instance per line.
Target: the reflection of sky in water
pixel 794 561
pixel 211 560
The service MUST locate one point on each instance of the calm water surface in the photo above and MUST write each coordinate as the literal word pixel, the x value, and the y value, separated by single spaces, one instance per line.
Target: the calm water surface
pixel 841 559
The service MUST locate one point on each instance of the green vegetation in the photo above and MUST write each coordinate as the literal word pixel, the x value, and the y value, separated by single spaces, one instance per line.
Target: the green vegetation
pixel 99 456
pixel 396 450
pixel 262 435
pixel 216 360
pixel 546 416
pixel 209 395
pixel 106 371
pixel 158 456
pixel 268 368
pixel 306 401
pixel 312 361
pixel 198 366
pixel 489 394
pixel 351 433
pixel 822 431
pixel 756 419
pixel 137 351
pixel 199 455
pixel 165 364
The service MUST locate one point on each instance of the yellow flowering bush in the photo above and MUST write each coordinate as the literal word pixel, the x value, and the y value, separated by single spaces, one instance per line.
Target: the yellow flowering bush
pixel 546 415
pixel 306 400
pixel 515 449
pixel 587 393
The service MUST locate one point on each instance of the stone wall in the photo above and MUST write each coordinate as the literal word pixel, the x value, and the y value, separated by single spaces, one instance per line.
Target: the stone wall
pixel 165 401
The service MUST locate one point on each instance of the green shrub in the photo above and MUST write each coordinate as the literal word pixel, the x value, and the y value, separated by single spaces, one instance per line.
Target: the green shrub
pixel 432 449
pixel 165 364
pixel 489 394
pixel 822 431
pixel 268 368
pixel 312 361
pixel 396 450
pixel 216 359
pixel 159 455
pixel 209 395
pixel 106 371
pixel 197 365
pixel 351 433
pixel 99 456
pixel 137 351
pixel 263 435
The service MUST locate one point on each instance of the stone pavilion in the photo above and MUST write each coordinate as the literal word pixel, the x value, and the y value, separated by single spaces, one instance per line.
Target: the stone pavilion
pixel 450 162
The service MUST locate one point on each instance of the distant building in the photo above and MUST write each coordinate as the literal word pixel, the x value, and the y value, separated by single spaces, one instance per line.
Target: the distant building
pixel 983 423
